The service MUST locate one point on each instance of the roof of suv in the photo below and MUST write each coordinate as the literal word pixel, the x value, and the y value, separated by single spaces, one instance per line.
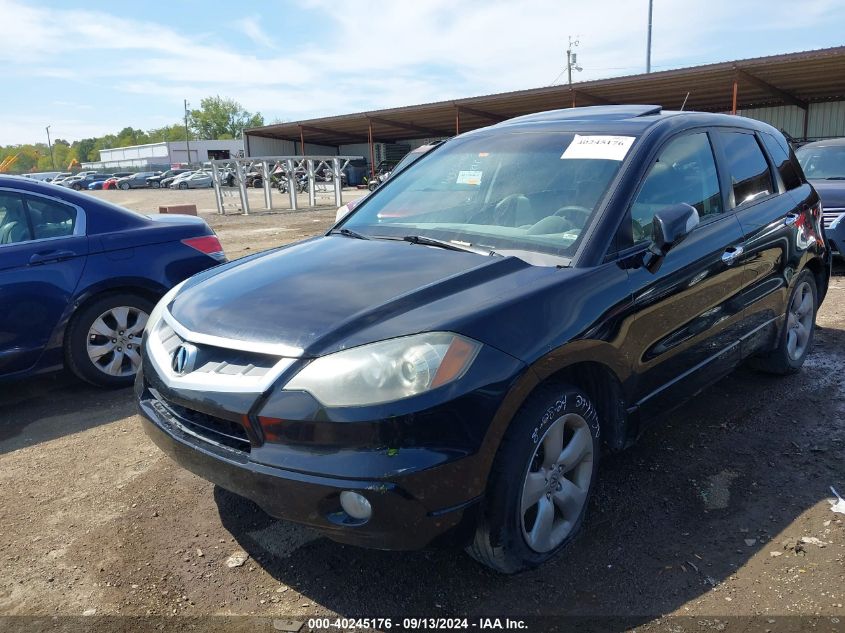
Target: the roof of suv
pixel 619 118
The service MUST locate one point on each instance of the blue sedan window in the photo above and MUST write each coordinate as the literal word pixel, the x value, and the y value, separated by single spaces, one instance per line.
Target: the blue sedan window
pixel 50 218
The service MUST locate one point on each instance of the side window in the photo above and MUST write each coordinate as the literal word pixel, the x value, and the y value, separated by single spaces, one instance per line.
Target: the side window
pixel 750 175
pixel 780 157
pixel 685 171
pixel 50 218
pixel 14 227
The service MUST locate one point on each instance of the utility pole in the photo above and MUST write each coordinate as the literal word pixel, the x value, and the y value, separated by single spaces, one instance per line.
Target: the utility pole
pixel 572 60
pixel 187 135
pixel 50 145
pixel 648 44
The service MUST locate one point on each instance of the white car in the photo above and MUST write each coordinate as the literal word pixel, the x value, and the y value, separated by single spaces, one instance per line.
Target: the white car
pixel 196 180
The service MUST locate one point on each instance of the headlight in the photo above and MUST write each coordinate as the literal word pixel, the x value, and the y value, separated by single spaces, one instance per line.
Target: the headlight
pixel 161 306
pixel 387 370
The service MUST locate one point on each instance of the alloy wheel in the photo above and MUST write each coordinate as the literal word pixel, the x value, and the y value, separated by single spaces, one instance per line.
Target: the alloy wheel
pixel 799 321
pixel 556 483
pixel 114 340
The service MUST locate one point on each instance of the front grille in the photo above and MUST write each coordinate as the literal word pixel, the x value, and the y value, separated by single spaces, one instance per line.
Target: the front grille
pixel 213 429
pixel 219 360
pixel 830 215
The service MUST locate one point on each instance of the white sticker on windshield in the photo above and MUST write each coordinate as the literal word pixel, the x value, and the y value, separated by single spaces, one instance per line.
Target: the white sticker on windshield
pixel 469 178
pixel 605 147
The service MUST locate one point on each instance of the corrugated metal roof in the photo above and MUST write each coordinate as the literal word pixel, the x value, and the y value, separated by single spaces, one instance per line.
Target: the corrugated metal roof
pixel 792 78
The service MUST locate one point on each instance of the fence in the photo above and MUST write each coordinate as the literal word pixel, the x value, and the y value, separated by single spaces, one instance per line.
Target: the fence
pixel 290 174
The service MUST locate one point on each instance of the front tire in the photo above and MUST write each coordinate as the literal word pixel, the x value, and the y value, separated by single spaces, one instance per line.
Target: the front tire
pixel 796 338
pixel 540 482
pixel 155 184
pixel 102 343
pixel 183 185
pixel 124 186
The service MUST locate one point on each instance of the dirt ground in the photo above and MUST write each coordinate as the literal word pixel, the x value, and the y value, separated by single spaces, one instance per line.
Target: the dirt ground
pixel 704 517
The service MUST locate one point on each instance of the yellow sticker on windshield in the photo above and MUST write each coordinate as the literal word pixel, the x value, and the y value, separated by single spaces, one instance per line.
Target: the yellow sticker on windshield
pixel 469 178
pixel 601 147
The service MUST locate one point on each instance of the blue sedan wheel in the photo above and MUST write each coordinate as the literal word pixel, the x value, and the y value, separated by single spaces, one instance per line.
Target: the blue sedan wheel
pixel 103 342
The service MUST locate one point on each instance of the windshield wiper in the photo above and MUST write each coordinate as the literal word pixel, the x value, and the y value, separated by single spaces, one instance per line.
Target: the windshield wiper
pixel 835 178
pixel 452 246
pixel 350 233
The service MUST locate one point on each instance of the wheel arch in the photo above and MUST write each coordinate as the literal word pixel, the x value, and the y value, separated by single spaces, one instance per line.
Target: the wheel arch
pixel 145 288
pixel 603 387
pixel 596 368
pixel 821 274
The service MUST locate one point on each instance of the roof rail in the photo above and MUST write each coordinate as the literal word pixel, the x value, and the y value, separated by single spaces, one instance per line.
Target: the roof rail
pixel 590 113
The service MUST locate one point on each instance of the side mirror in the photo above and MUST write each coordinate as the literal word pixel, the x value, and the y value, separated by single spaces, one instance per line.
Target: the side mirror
pixel 670 226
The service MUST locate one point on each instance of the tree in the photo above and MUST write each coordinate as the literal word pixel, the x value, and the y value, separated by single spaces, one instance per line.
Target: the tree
pixel 219 117
pixel 85 149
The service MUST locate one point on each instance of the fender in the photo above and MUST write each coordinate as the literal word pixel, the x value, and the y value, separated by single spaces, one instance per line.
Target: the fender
pixel 588 354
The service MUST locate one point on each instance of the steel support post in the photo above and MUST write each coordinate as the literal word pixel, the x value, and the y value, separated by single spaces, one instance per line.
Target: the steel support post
pixel 218 193
pixel 338 182
pixel 268 190
pixel 291 183
pixel 312 193
pixel 241 176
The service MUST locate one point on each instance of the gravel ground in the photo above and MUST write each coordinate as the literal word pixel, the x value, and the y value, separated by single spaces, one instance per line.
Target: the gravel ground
pixel 704 517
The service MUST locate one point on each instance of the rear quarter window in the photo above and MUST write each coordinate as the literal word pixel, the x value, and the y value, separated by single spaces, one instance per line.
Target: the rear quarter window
pixel 750 175
pixel 783 162
pixel 50 218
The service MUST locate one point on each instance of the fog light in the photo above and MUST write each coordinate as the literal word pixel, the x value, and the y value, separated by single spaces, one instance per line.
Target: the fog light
pixel 355 505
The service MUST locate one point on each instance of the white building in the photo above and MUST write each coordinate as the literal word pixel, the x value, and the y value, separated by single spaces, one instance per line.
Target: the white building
pixel 166 154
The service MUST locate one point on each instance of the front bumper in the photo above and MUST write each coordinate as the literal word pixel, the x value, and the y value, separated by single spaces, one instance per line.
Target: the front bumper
pixel 402 514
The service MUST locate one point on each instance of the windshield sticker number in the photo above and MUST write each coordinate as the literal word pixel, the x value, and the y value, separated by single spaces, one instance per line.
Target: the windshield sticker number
pixel 469 178
pixel 602 147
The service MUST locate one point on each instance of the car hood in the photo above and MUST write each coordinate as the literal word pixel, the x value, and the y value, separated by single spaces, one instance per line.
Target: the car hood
pixel 334 292
pixel 831 192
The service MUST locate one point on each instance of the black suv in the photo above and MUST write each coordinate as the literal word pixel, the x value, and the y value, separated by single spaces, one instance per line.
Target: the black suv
pixel 451 359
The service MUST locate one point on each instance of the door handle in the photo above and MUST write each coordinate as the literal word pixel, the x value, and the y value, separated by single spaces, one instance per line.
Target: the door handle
pixel 790 219
pixel 732 254
pixel 50 256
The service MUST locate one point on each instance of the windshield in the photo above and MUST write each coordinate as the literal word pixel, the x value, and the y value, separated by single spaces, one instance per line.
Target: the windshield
pixel 513 191
pixel 821 163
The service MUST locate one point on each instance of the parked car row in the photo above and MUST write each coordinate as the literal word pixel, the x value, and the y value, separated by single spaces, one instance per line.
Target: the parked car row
pixel 173 178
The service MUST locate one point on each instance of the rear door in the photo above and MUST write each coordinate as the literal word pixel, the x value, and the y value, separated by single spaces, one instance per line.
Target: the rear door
pixel 683 330
pixel 770 218
pixel 43 249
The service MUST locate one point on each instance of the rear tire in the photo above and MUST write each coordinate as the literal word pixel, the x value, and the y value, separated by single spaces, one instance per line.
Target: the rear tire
pixel 796 338
pixel 102 342
pixel 536 498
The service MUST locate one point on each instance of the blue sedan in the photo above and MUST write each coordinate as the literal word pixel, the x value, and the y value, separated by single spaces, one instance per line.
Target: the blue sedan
pixel 80 276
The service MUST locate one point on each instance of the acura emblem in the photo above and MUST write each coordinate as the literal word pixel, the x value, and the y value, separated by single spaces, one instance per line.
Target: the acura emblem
pixel 184 358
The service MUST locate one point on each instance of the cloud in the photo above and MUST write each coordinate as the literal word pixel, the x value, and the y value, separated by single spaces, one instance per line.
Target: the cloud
pixel 251 27
pixel 381 54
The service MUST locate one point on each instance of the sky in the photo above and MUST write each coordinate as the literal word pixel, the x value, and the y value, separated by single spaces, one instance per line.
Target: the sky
pixel 91 67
